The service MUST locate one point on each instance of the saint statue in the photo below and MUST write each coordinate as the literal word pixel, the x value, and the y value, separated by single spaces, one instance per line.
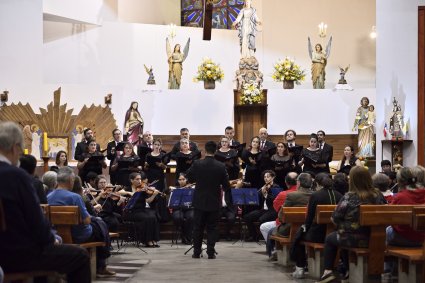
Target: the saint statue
pixel 396 121
pixel 175 63
pixel 365 127
pixel 133 124
pixel 318 62
pixel 246 23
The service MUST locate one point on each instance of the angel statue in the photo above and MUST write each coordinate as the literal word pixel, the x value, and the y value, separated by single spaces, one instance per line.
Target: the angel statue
pixel 342 73
pixel 151 79
pixel 175 63
pixel 319 60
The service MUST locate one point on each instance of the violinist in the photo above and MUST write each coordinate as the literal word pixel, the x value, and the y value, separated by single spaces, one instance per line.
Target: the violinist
pixel 229 157
pixel 92 160
pixel 110 203
pixel 139 209
pixel 92 207
pixel 183 216
pixel 125 164
pixel 265 212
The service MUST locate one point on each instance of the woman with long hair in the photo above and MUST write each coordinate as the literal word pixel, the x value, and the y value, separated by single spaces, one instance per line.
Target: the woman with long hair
pixel 251 157
pixel 125 164
pixel 348 160
pixel 281 163
pixel 347 219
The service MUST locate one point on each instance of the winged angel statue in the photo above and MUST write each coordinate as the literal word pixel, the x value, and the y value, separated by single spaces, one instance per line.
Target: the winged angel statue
pixel 318 62
pixel 175 63
pixel 149 71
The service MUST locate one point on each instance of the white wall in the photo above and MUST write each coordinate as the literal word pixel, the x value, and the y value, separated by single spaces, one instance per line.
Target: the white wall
pixel 397 67
pixel 161 12
pixel 89 11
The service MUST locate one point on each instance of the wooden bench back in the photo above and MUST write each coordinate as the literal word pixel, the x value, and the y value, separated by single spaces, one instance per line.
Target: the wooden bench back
pixel 378 217
pixel 63 218
pixel 295 216
pixel 45 209
pixel 418 222
pixel 323 216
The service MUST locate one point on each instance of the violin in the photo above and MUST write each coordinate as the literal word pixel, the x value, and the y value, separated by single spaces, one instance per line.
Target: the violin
pixel 149 190
pixel 239 183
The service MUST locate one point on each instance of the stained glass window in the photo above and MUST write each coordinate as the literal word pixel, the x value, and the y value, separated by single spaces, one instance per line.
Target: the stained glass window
pixel 224 13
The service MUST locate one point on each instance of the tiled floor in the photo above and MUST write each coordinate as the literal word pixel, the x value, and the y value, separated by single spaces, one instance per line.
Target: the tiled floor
pixel 234 263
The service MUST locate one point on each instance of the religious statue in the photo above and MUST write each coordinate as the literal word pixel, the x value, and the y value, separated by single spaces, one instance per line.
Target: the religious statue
pixel 396 121
pixel 246 23
pixel 151 79
pixel 36 141
pixel 342 73
pixel 133 126
pixel 175 63
pixel 319 60
pixel 365 127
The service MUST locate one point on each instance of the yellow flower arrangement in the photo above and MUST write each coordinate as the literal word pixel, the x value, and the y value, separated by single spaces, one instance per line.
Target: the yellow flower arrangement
pixel 289 71
pixel 209 71
pixel 252 93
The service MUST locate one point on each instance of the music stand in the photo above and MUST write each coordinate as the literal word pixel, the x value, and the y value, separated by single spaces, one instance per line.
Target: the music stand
pixel 244 197
pixel 179 199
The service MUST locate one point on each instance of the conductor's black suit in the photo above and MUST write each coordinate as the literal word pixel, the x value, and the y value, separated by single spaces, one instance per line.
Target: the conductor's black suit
pixel 210 176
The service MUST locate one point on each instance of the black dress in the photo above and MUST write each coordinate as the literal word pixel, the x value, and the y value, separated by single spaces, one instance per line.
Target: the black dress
pixel 145 218
pixel 252 171
pixel 155 172
pixel 313 157
pixel 126 166
pixel 282 165
pixel 92 165
pixel 184 161
pixel 231 161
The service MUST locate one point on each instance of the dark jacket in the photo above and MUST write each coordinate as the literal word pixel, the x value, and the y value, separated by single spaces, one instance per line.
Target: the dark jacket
pixel 81 148
pixel 210 176
pixel 27 230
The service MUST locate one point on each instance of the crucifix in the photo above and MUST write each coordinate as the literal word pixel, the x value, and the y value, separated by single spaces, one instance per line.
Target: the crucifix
pixel 207 24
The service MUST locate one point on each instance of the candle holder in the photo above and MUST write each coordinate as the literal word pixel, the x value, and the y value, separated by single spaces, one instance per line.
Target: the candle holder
pixel 322 29
pixel 46 163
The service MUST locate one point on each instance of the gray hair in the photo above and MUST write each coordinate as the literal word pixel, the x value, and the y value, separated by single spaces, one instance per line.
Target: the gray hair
pixel 10 134
pixel 65 174
pixel 381 181
pixel 419 172
pixel 305 180
pixel 49 179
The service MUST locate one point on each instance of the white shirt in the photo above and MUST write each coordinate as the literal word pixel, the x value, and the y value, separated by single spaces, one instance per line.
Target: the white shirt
pixel 5 159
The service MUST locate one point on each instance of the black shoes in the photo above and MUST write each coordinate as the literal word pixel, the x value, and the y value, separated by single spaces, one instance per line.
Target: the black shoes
pixel 211 256
pixel 196 256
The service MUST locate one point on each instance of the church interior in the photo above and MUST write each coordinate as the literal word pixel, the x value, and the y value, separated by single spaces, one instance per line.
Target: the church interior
pixel 72 65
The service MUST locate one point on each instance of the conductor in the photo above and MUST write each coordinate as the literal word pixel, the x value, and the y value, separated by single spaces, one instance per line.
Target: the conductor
pixel 210 176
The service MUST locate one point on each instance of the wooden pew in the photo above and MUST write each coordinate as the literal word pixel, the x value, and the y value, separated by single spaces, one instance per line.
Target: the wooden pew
pixel 370 261
pixel 296 217
pixel 315 250
pixel 411 266
pixel 63 218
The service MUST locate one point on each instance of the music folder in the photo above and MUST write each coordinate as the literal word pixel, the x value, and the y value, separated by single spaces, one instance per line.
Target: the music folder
pixel 245 196
pixel 181 198
pixel 296 150
pixel 120 146
pixel 96 158
pixel 311 159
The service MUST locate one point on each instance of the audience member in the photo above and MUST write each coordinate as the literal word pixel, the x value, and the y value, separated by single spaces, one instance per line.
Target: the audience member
pixel 29 163
pixel 49 181
pixel 382 182
pixel 28 243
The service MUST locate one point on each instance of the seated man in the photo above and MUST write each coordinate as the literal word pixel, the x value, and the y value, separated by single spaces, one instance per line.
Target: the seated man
pixel 26 240
pixel 92 229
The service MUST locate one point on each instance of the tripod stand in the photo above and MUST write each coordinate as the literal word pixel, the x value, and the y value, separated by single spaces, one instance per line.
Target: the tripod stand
pixel 131 237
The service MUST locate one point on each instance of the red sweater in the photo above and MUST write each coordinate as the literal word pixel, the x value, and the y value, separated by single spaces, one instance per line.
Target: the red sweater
pixel 280 200
pixel 409 197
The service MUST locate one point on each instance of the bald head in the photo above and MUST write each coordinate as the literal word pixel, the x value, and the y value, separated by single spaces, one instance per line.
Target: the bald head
pixel 291 179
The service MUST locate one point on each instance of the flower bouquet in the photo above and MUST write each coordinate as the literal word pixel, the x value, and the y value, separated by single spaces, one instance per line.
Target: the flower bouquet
pixel 251 93
pixel 287 71
pixel 209 71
